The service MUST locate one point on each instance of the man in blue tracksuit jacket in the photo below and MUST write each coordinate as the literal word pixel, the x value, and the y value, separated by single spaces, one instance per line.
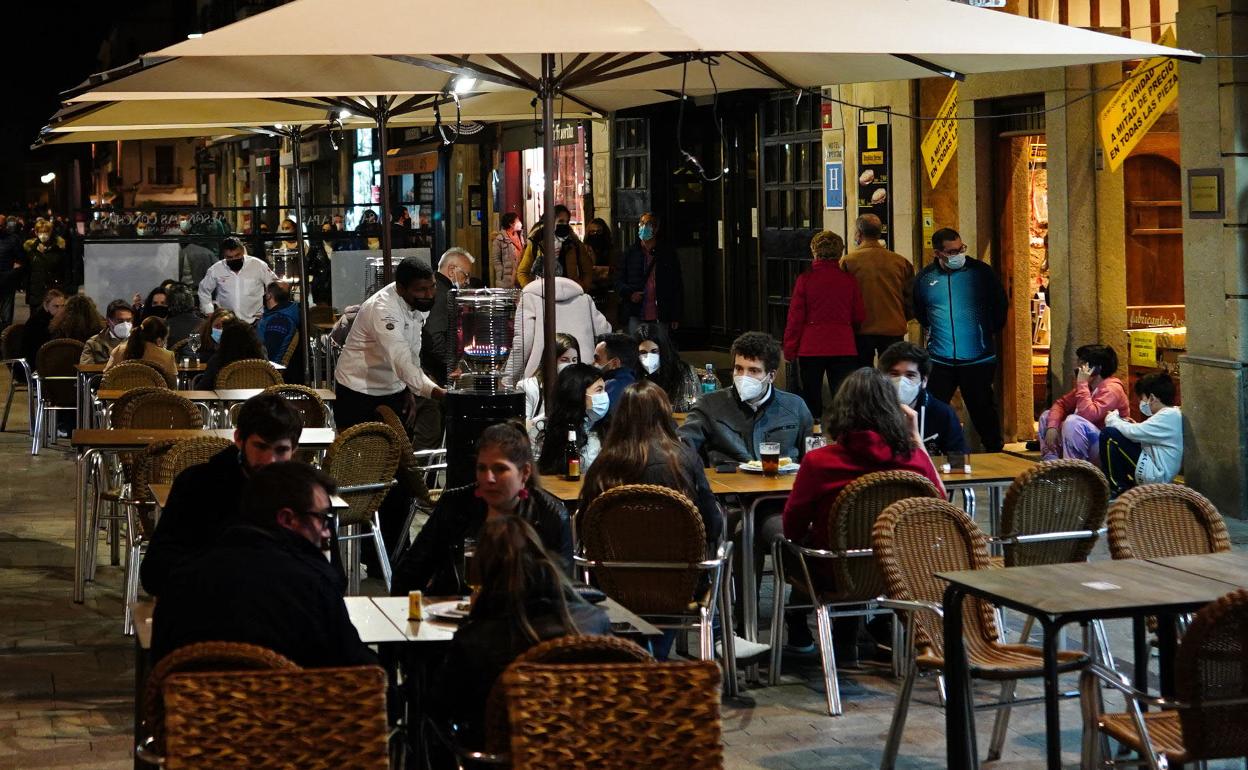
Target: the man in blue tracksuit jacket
pixel 279 323
pixel 961 304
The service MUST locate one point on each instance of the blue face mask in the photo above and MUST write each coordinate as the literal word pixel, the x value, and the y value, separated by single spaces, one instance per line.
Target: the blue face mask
pixel 216 335
pixel 598 406
pixel 645 232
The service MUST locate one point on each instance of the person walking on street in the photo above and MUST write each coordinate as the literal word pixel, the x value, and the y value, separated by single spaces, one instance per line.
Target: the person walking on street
pixel 46 262
pixel 574 260
pixel 649 280
pixel 237 282
pixel 886 280
pixel 12 262
pixel 506 248
pixel 961 304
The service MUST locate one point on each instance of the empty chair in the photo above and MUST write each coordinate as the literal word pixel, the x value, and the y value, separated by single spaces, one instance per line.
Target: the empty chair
pixel 56 390
pixel 311 406
pixel 1206 718
pixel 248 373
pixel 410 476
pixel 914 540
pixel 363 460
pixel 618 715
pixel 845 581
pixel 139 520
pixel 11 357
pixel 133 374
pixel 1154 521
pixel 159 409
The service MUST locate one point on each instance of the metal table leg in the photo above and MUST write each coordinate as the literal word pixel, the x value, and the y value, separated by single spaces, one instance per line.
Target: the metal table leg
pixel 959 716
pixel 81 535
pixel 1052 695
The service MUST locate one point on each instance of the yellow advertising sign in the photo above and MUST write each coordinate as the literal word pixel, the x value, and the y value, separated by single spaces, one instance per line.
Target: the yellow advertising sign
pixel 1138 103
pixel 1143 347
pixel 941 140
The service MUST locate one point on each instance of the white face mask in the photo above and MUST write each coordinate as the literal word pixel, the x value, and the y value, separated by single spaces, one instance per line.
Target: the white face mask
pixel 44 237
pixel 650 362
pixel 956 262
pixel 1146 408
pixel 122 330
pixel 907 389
pixel 749 389
pixel 598 405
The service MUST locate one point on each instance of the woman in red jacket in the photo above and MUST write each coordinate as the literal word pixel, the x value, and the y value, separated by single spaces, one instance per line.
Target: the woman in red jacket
pixel 871 431
pixel 824 312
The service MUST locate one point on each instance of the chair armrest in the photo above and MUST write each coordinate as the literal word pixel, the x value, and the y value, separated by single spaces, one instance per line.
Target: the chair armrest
pixel 365 487
pixel 145 753
pixel 907 605
pixel 824 554
pixel 1119 681
pixel 1048 537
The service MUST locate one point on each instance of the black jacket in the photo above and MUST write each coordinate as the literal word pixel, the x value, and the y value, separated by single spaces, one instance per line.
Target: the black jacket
pixel 669 282
pixel 693 476
pixel 939 419
pixel 484 647
pixel 204 500
pixel 436 339
pixel 432 562
pixel 12 256
pixel 262 586
pixel 36 332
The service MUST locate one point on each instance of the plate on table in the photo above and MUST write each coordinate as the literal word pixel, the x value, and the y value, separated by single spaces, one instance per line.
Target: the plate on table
pixel 449 612
pixel 755 466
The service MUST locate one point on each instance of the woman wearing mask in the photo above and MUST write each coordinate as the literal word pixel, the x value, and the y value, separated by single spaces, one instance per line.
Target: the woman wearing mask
pixel 147 343
pixel 567 352
pixel 602 246
pixel 661 364
pixel 238 342
pixel 156 304
pixel 650 283
pixel 210 332
pixel 574 259
pixel 524 599
pixel 580 403
pixel 506 486
pixel 506 249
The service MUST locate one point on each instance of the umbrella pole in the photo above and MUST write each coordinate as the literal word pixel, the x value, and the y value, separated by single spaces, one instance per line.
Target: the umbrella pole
pixel 305 292
pixel 383 148
pixel 549 369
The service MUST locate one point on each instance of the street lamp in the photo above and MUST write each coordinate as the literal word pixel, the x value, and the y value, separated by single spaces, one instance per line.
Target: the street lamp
pixel 50 178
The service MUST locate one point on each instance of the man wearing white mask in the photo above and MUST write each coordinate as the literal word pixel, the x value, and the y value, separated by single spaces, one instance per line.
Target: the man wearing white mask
pixel 120 319
pixel 908 366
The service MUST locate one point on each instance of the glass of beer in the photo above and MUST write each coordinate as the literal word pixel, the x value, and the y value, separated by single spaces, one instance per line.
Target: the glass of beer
pixel 472 568
pixel 769 456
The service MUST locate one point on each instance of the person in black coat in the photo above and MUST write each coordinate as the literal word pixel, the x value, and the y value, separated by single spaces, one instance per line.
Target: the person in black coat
pixel 506 485
pixel 907 367
pixel 524 599
pixel 38 329
pixel 205 499
pixel 266 580
pixel 649 279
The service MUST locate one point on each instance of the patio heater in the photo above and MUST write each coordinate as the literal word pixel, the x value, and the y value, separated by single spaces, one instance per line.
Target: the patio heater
pixel 481 385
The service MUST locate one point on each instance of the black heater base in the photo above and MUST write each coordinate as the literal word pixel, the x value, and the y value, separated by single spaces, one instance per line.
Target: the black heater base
pixel 467 417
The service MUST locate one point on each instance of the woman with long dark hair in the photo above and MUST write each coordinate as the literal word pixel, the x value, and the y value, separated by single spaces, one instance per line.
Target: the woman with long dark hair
pixel 567 352
pixel 662 365
pixel 524 599
pixel 580 403
pixel 238 342
pixel 80 320
pixel 210 331
pixel 147 343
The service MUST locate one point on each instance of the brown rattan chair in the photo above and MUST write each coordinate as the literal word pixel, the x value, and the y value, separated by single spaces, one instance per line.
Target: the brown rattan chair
pixel 133 374
pixel 363 460
pixel 248 373
pixel 411 475
pixel 914 540
pixel 845 580
pixel 178 347
pixel 56 386
pixel 188 452
pixel 11 357
pixel 309 404
pixel 312 719
pixel 1206 718
pixel 291 347
pixel 646 547
pixel 139 520
pixel 159 409
pixel 1154 521
pixel 618 715
pixel 203 656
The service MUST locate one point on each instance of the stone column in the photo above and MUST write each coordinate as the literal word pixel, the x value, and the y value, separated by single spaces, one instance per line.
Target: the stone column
pixel 1213 118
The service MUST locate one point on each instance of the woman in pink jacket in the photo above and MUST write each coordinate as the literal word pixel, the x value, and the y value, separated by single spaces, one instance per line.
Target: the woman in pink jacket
pixel 825 311
pixel 1071 428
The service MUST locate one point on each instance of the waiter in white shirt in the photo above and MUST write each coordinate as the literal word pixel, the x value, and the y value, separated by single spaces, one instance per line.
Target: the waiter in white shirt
pixel 380 360
pixel 238 282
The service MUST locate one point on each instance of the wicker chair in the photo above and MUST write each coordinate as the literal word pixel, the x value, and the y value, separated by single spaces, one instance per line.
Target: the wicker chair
pixel 133 374
pixel 312 719
pixel 139 520
pixel 291 347
pixel 188 452
pixel 248 373
pixel 914 540
pixel 411 475
pixel 11 357
pixel 646 547
pixel 1206 719
pixel 1154 521
pixel 850 582
pixel 56 388
pixel 618 715
pixel 203 656
pixel 363 460
pixel 159 409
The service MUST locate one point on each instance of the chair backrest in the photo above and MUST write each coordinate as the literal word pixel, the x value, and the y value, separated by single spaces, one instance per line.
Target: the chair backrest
pixel 411 476
pixel 202 656
pixel 56 362
pixel 363 454
pixel 313 719
pixel 645 523
pixel 177 346
pixel 188 452
pixel 158 409
pixel 291 347
pixel 1054 496
pixel 310 405
pixel 619 715
pixel 1154 521
pixel 851 519
pixel 125 399
pixel 248 373
pixel 11 341
pixel 1211 664
pixel 915 539
pixel 564 650
pixel 133 374
pixel 147 469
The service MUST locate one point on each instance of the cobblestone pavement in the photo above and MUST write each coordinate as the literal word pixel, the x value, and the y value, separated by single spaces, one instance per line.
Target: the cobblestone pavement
pixel 67 672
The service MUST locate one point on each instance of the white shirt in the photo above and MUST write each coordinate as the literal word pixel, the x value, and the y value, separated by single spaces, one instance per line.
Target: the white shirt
pixel 241 292
pixel 1161 444
pixel 382 353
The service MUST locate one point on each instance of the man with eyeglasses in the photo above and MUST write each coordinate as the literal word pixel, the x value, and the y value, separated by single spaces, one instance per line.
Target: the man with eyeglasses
pixel 266 580
pixel 961 304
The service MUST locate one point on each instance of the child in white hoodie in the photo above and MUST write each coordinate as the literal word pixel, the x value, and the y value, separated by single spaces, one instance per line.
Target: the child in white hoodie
pixel 1149 452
